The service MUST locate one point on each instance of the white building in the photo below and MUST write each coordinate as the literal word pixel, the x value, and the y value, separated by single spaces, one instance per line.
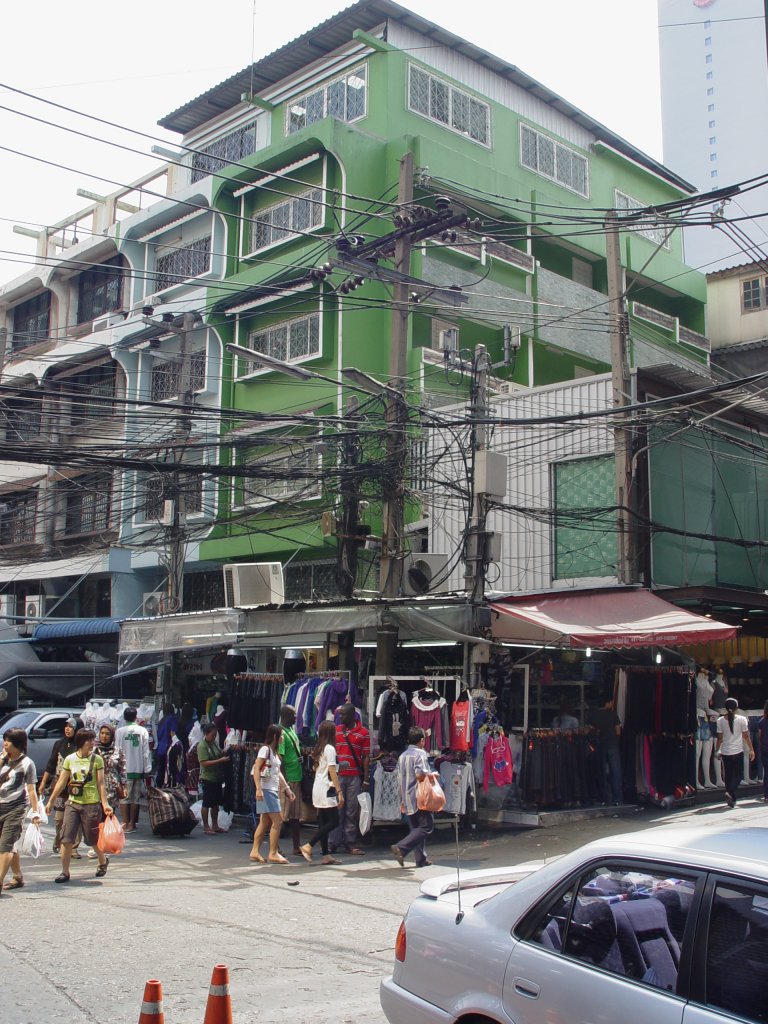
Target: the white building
pixel 714 102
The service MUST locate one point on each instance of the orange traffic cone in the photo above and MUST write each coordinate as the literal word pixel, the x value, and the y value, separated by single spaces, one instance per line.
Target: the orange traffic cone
pixel 152 1004
pixel 218 1009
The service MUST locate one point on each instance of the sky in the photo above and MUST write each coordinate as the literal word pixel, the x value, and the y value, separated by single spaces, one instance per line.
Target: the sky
pixel 133 63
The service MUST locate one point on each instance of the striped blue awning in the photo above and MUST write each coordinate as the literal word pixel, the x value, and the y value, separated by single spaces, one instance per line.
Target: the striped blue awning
pixel 76 628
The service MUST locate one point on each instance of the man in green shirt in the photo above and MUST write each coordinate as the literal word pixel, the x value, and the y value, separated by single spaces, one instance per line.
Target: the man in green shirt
pixel 211 759
pixel 290 754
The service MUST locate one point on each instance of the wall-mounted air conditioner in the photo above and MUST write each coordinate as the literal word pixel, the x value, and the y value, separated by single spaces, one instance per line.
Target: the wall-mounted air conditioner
pixel 249 584
pixel 8 609
pixel 34 610
pixel 425 574
pixel 153 604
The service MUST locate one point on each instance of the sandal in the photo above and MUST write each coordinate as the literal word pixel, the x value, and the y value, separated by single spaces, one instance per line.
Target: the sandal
pixel 208 832
pixel 355 851
pixel 14 883
pixel 279 859
pixel 306 852
pixel 330 860
pixel 63 877
pixel 101 870
pixel 257 860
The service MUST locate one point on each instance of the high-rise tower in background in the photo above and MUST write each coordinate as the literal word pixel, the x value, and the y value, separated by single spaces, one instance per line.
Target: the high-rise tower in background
pixel 714 103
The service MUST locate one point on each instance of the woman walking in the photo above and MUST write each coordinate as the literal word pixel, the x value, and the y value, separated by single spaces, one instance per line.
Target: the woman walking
pixel 732 740
pixel 269 782
pixel 17 793
pixel 82 776
pixel 115 775
pixel 326 792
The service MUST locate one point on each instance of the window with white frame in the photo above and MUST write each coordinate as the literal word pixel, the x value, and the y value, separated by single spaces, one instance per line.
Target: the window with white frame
pixel 88 394
pixel 753 296
pixel 343 98
pixel 31 321
pixel 439 101
pixel 553 160
pixel 290 473
pixel 626 205
pixel 183 262
pixel 87 504
pixel 165 376
pixel 161 487
pixel 286 219
pixel 229 149
pixel 290 341
pixel 22 416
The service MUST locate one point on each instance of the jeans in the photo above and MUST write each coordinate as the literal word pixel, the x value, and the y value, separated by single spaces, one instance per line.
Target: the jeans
pixel 346 833
pixel 612 787
pixel 327 821
pixel 733 772
pixel 422 825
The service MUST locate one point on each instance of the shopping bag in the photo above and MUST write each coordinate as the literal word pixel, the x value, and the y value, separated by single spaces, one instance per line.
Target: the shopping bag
pixel 429 794
pixel 39 813
pixel 111 836
pixel 225 821
pixel 33 841
pixel 366 813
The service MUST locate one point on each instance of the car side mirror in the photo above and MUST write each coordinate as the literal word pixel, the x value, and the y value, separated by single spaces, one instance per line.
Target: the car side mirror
pixel 37 734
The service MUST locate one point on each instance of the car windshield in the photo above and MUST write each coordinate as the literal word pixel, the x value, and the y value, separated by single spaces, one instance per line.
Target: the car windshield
pixel 20 720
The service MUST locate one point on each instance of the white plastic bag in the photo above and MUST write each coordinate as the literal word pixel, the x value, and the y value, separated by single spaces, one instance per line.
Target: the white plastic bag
pixel 33 841
pixel 39 812
pixel 224 822
pixel 366 813
pixel 197 810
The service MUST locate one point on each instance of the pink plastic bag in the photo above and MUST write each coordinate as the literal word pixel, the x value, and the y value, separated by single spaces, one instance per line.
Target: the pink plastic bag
pixel 111 836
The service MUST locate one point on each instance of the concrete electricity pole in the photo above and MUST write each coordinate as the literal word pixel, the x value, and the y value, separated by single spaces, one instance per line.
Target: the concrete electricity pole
pixel 393 510
pixel 620 382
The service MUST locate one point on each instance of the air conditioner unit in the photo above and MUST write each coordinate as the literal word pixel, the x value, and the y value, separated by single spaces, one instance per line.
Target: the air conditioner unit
pixel 153 604
pixel 249 584
pixel 34 606
pixel 425 574
pixel 8 608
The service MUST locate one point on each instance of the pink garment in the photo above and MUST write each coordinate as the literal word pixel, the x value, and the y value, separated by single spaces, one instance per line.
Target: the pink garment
pixel 428 716
pixel 497 762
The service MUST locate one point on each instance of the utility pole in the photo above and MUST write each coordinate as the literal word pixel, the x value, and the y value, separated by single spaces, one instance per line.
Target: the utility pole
pixel 620 383
pixel 393 510
pixel 177 533
pixel 475 554
pixel 348 526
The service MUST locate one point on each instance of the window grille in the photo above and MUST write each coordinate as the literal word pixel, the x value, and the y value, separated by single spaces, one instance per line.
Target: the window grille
pixel 293 473
pixel 552 160
pixel 100 290
pixel 229 149
pixel 18 518
pixel 344 98
pixel 311 581
pixel 166 377
pixel 585 542
pixel 289 341
pixel 626 204
pixel 433 98
pixel 87 504
pixel 161 488
pixel 31 321
pixel 203 590
pixel 183 263
pixel 284 220
pixel 88 395
pixel 22 418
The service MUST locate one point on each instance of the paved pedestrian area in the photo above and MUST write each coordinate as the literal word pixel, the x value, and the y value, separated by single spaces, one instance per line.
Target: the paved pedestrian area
pixel 303 943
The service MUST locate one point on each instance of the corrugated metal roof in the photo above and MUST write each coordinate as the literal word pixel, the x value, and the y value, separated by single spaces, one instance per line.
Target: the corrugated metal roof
pixel 366 15
pixel 76 628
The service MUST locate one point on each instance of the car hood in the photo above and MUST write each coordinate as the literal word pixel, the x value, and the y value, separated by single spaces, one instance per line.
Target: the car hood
pixel 476 886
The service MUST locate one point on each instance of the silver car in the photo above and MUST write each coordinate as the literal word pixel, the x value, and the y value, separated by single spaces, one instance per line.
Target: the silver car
pixel 662 927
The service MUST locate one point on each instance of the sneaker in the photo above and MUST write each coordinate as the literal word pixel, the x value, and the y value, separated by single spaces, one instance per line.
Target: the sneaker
pixel 92 855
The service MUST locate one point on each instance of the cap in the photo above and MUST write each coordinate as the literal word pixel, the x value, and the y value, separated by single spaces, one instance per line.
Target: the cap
pixel 72 722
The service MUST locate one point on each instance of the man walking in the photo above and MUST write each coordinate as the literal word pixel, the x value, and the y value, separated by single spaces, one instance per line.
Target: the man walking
pixel 133 740
pixel 353 754
pixel 608 726
pixel 290 755
pixel 212 762
pixel 414 766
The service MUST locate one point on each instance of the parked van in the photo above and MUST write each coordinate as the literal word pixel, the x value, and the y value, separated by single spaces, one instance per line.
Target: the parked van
pixel 44 727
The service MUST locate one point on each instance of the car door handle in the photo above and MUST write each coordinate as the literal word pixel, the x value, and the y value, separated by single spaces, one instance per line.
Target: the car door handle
pixel 526 988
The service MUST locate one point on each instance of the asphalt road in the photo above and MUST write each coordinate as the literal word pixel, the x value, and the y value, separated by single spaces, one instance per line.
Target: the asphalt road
pixel 311 952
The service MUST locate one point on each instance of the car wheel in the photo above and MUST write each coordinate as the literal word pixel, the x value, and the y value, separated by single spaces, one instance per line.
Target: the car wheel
pixel 476 1020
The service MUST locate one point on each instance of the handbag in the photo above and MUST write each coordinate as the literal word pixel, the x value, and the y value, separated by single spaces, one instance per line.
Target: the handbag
pixel 77 788
pixel 429 794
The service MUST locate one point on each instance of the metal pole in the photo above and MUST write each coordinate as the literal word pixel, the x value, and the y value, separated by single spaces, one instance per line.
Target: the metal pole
pixel 393 510
pixel 621 386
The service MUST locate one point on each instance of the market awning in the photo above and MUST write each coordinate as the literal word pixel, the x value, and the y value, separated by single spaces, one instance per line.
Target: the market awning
pixel 603 618
pixel 104 628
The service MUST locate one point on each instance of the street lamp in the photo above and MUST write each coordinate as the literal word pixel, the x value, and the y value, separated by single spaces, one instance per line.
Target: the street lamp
pixel 367 383
pixel 271 363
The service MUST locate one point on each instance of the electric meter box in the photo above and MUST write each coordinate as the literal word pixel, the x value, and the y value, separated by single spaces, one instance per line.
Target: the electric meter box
pixel 490 474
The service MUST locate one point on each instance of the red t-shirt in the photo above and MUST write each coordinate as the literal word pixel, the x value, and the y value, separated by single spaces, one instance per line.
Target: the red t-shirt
pixel 461 728
pixel 358 739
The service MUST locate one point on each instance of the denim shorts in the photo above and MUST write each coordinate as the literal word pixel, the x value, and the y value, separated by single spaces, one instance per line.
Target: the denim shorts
pixel 270 804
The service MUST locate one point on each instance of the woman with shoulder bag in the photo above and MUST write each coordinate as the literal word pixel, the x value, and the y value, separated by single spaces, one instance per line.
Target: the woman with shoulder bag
pixel 732 740
pixel 326 792
pixel 82 776
pixel 269 781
